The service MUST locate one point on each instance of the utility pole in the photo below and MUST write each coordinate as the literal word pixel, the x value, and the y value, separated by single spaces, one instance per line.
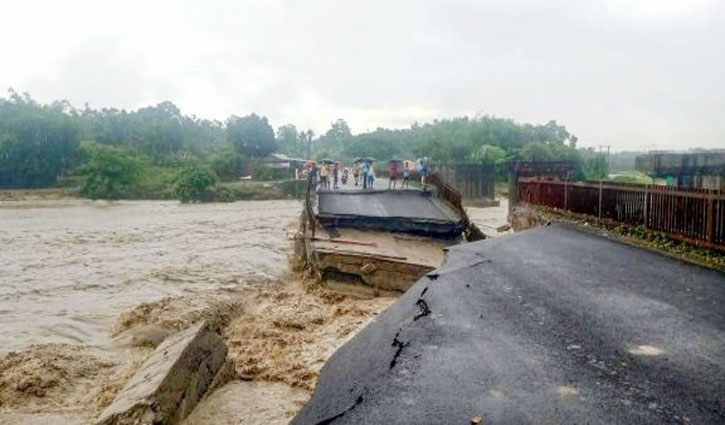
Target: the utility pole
pixel 609 165
pixel 601 189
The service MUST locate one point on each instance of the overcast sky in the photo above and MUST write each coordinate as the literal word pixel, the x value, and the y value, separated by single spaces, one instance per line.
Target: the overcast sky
pixel 631 73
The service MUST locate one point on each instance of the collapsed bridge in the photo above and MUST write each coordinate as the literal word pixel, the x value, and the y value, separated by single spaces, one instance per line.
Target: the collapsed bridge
pixel 386 238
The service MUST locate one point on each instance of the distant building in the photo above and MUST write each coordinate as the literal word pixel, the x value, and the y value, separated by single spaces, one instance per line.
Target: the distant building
pixel 280 160
pixel 705 170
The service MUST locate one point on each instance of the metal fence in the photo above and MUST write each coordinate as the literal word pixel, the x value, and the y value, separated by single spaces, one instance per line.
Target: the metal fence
pixel 472 181
pixel 693 215
pixel 449 194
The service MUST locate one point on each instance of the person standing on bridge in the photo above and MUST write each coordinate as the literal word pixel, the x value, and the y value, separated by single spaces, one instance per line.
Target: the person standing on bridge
pixel 356 170
pixel 335 174
pixel 371 176
pixel 406 174
pixel 392 173
pixel 313 175
pixel 365 168
pixel 324 176
pixel 423 170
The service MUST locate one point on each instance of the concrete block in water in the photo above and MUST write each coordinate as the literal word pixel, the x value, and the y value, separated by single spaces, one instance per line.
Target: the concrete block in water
pixel 168 386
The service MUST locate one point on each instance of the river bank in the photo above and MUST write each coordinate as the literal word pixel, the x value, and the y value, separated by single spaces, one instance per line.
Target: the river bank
pixel 93 286
pixel 230 191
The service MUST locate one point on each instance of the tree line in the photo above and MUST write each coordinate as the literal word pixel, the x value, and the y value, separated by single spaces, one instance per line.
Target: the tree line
pixel 42 144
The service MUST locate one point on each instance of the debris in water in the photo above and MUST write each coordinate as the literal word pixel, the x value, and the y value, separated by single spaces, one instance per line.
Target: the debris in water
pixel 567 391
pixel 646 350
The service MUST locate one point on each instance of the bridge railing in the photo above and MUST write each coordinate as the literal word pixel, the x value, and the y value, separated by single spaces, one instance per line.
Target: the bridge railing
pixel 692 215
pixel 450 195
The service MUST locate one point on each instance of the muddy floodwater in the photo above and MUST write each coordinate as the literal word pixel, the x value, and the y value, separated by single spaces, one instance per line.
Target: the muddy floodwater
pixel 68 268
pixel 88 289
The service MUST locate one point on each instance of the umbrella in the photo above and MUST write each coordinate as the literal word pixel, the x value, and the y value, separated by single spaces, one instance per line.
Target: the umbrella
pixel 327 161
pixel 358 159
pixel 368 159
pixel 396 160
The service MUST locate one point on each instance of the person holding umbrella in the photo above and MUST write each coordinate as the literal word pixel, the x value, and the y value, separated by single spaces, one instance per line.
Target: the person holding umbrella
pixel 365 169
pixel 371 175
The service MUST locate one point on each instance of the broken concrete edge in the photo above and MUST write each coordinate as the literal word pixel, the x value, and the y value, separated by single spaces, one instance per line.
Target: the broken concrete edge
pixel 226 374
pixel 421 309
pixel 172 381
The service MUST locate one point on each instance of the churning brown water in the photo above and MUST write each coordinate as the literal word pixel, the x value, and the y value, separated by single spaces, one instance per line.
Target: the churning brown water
pixel 68 268
pixel 88 289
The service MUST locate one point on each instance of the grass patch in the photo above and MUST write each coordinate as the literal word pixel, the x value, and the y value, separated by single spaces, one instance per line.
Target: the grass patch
pixel 632 177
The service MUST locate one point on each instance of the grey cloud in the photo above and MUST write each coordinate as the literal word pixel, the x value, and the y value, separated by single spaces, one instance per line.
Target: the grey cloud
pixel 626 73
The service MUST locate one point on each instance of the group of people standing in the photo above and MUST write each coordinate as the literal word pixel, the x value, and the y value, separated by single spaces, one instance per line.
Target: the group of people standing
pixel 331 171
pixel 363 172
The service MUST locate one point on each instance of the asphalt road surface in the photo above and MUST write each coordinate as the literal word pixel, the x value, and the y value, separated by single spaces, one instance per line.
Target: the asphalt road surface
pixel 385 204
pixel 413 211
pixel 553 325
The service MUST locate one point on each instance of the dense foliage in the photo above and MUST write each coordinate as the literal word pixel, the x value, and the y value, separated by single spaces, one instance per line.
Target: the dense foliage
pixel 109 170
pixel 38 142
pixel 251 135
pixel 143 151
pixel 195 183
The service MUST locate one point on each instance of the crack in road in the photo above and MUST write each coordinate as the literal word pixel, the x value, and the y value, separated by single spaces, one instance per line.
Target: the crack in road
pixel 400 344
pixel 424 309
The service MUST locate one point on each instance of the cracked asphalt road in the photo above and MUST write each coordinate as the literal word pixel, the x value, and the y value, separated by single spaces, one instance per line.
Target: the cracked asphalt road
pixel 551 325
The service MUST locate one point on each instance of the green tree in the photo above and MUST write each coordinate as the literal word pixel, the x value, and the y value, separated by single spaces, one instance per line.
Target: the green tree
pixel 489 155
pixel 306 138
pixel 251 135
pixel 109 171
pixel 375 145
pixel 536 151
pixel 289 141
pixel 335 139
pixel 38 143
pixel 227 164
pixel 195 183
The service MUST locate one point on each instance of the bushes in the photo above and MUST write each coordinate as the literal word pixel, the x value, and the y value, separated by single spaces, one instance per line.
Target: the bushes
pixel 228 165
pixel 267 173
pixel 109 171
pixel 196 183
pixel 294 188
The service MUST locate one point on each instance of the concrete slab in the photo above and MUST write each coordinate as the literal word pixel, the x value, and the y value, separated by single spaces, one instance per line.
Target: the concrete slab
pixel 550 325
pixel 412 211
pixel 168 386
pixel 385 260
pixel 385 203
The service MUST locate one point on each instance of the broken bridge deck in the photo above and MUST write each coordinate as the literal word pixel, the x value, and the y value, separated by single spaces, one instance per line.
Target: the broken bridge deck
pixel 388 238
